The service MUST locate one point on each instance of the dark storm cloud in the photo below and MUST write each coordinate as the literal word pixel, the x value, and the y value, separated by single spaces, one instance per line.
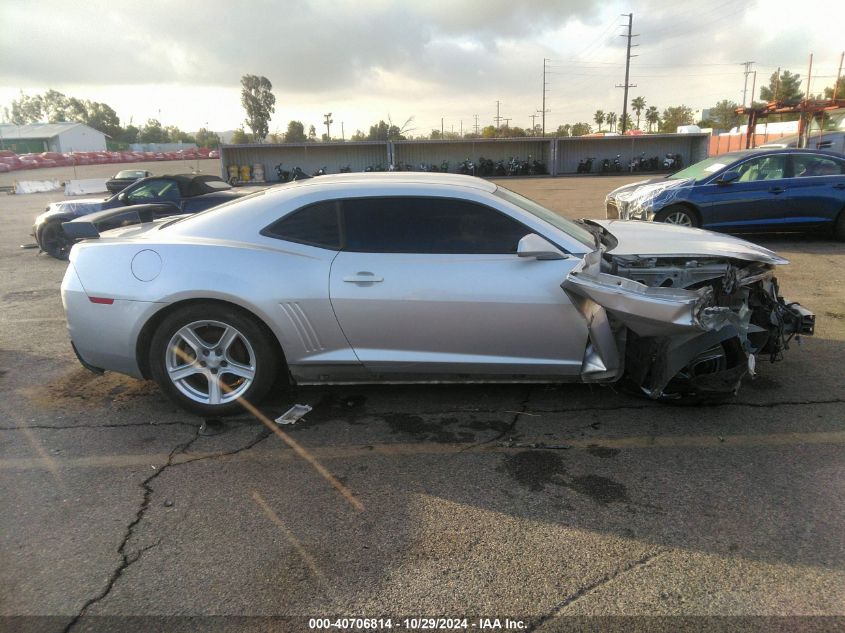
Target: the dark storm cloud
pixel 302 46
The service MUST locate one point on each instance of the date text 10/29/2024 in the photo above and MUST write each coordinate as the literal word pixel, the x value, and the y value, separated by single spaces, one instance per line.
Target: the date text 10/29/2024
pixel 417 624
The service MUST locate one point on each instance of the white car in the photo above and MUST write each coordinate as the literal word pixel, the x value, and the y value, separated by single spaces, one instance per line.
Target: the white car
pixel 418 277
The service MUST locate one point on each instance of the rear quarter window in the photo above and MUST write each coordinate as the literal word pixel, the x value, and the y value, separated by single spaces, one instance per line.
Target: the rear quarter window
pixel 315 225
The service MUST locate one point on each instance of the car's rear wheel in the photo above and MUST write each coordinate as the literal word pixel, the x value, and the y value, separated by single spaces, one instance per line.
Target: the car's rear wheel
pixel 209 358
pixel 677 214
pixel 54 241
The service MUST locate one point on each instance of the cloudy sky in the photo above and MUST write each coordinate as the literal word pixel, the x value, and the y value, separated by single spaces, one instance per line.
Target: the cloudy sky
pixel 365 60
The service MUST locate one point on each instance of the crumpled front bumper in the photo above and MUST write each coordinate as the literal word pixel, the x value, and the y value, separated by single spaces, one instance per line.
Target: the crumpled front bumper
pixel 652 333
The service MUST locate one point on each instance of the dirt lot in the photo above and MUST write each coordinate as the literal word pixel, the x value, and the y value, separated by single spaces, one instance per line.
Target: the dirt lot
pixel 116 504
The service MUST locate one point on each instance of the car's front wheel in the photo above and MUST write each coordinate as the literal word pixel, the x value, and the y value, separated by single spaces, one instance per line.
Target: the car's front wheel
pixel 677 214
pixel 54 241
pixel 209 357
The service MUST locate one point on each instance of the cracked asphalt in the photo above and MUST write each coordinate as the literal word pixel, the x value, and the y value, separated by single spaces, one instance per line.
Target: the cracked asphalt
pixel 557 505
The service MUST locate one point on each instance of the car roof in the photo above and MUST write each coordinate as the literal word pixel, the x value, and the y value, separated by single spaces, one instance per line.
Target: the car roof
pixel 395 178
pixel 778 150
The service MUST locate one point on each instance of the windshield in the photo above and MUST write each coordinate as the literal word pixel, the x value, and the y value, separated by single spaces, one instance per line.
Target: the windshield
pixel 705 168
pixel 128 173
pixel 547 215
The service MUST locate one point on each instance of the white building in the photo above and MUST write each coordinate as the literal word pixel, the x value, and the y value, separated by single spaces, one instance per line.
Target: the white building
pixel 51 137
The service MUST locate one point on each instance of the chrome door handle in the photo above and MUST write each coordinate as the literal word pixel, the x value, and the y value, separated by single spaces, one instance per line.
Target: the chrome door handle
pixel 363 277
pixel 777 190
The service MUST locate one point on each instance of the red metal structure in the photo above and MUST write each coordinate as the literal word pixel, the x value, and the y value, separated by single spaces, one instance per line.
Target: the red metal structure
pixel 806 108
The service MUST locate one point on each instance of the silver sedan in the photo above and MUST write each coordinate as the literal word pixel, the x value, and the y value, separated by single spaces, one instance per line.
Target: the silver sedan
pixel 413 277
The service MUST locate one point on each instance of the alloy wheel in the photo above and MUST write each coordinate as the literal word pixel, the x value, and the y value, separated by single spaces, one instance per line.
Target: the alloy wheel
pixel 210 362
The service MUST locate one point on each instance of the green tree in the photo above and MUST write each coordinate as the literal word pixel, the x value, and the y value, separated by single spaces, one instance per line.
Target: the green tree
pixel 638 105
pixel 598 117
pixel 652 117
pixel 840 89
pixel 129 134
pixel 152 132
pixel 723 115
pixel 239 137
pixel 610 118
pixel 55 105
pixel 580 129
pixel 295 132
pixel 207 138
pixel 786 87
pixel 358 136
pixel 674 117
pixel 489 131
pixel 627 124
pixel 26 109
pixel 435 135
pixel 258 100
pixel 564 130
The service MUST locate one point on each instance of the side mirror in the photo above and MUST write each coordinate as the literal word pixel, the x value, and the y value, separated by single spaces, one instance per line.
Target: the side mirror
pixel 122 197
pixel 532 245
pixel 728 177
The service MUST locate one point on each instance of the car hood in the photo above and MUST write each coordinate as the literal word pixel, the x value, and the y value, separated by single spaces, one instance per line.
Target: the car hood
pixel 73 208
pixel 649 188
pixel 656 239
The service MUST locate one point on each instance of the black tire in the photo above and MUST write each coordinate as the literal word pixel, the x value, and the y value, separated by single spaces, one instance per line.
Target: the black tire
pixel 678 214
pixel 839 227
pixel 54 241
pixel 252 347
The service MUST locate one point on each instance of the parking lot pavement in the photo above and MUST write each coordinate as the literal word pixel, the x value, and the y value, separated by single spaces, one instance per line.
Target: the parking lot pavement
pixel 540 502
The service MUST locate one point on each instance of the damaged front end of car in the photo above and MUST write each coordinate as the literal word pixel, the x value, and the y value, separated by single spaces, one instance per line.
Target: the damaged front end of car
pixel 677 326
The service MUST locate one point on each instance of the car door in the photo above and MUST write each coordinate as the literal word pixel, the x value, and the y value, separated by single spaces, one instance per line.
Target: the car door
pixel 428 286
pixel 816 191
pixel 754 201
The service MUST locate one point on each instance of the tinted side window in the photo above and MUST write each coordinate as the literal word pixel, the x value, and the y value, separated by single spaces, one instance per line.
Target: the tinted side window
pixel 763 168
pixel 807 166
pixel 316 225
pixel 428 225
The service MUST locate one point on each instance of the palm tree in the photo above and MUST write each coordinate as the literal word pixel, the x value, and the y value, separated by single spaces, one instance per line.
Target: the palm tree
pixel 652 117
pixel 611 117
pixel 627 124
pixel 598 117
pixel 638 105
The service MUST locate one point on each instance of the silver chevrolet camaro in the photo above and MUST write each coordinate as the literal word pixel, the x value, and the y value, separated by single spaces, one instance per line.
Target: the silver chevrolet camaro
pixel 418 277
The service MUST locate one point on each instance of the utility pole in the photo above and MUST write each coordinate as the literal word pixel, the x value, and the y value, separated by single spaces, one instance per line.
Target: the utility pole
pixel 777 85
pixel 545 85
pixel 506 121
pixel 533 124
pixel 809 76
pixel 441 128
pixel 838 74
pixel 627 85
pixel 462 128
pixel 498 118
pixel 342 135
pixel 328 123
pixel 476 124
pixel 745 84
pixel 753 87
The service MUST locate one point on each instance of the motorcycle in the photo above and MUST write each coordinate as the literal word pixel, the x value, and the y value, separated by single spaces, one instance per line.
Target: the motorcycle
pixel 672 162
pixel 346 170
pixel 605 165
pixel 585 166
pixel 444 166
pixel 617 163
pixel 467 168
pixel 298 174
pixel 320 172
pixel 283 174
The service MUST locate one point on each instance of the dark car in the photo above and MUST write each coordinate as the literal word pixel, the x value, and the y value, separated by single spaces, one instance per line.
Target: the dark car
pixel 745 191
pixel 184 193
pixel 125 178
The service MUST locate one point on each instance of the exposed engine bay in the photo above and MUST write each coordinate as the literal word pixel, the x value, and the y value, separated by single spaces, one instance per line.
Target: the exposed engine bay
pixel 677 326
